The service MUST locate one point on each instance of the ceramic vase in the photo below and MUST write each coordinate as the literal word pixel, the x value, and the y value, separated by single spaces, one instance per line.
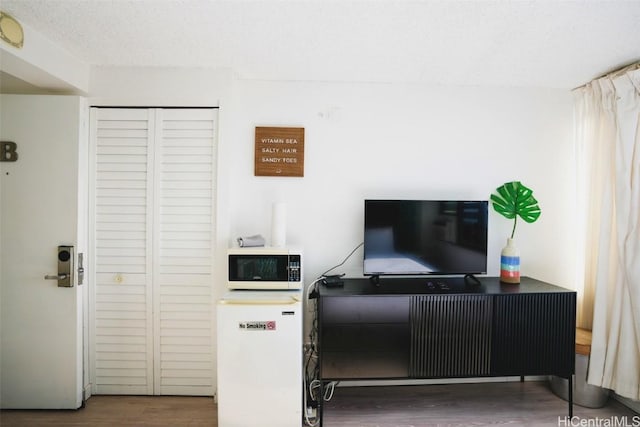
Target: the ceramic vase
pixel 510 263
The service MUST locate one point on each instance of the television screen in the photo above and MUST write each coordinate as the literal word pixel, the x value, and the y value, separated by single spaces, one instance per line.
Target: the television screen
pixel 412 237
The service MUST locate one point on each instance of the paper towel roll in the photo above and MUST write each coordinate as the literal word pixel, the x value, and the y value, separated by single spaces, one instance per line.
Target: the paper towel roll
pixel 279 225
pixel 251 241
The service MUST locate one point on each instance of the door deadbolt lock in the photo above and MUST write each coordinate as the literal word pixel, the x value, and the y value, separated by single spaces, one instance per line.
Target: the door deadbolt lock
pixel 65 267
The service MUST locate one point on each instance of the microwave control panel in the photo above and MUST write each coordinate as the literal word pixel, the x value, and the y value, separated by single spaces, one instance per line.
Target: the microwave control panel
pixel 294 268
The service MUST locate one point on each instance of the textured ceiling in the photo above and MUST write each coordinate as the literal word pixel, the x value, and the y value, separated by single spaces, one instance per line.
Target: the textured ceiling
pixel 551 43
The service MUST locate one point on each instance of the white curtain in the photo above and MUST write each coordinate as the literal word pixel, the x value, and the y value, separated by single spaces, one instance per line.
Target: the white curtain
pixel 607 114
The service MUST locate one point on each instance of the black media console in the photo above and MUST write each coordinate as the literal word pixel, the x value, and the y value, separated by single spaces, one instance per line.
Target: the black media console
pixel 419 328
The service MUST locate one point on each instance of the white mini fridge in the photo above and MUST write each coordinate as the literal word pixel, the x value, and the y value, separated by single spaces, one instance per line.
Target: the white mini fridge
pixel 260 359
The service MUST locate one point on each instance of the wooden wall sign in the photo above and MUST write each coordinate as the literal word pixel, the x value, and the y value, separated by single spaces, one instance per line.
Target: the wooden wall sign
pixel 279 151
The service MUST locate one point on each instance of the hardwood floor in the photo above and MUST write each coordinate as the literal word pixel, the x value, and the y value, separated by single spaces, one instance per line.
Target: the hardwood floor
pixel 112 411
pixel 487 404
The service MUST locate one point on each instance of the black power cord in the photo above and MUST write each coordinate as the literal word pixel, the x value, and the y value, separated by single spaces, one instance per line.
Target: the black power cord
pixel 343 261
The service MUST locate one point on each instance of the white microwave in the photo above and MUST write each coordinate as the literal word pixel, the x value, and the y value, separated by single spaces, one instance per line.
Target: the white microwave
pixel 264 268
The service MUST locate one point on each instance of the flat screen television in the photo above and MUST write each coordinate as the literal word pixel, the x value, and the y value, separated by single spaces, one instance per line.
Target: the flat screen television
pixel 417 237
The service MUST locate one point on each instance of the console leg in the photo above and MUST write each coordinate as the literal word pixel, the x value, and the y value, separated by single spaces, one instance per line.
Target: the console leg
pixel 319 409
pixel 521 378
pixel 570 396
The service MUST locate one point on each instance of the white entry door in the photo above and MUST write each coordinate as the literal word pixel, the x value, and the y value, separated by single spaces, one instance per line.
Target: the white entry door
pixel 41 207
pixel 152 234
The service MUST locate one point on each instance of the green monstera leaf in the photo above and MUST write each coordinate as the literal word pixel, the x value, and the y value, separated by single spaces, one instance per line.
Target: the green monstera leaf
pixel 513 200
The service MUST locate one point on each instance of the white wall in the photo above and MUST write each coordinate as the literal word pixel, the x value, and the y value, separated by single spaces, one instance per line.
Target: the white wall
pixel 403 141
pixel 159 87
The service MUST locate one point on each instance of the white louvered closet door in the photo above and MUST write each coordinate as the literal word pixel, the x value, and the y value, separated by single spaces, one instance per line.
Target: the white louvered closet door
pixel 153 209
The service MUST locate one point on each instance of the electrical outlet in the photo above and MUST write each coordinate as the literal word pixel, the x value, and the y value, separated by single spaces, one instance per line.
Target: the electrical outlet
pixel 311 412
